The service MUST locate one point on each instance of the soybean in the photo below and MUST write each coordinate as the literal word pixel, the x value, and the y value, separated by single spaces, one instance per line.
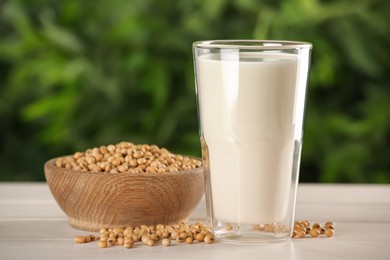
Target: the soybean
pixel 79 239
pixel 166 242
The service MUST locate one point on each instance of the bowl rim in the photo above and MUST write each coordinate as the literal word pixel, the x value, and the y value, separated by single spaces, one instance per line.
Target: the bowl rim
pixel 50 164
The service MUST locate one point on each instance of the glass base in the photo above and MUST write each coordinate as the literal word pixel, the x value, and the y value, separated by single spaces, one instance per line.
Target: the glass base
pixel 249 239
pixel 251 234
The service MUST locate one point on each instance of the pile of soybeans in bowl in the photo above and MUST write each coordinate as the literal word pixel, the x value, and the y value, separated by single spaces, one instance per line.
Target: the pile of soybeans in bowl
pixel 126 157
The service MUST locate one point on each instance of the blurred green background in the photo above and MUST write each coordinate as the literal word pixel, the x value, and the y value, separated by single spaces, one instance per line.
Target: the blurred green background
pixel 78 74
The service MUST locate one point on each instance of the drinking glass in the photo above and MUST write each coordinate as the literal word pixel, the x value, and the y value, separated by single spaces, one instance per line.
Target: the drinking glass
pixel 251 99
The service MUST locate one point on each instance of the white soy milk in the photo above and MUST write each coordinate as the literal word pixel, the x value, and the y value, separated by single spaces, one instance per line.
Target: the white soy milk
pixel 246 110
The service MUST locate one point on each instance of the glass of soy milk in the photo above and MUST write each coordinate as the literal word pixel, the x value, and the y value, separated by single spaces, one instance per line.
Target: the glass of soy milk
pixel 251 99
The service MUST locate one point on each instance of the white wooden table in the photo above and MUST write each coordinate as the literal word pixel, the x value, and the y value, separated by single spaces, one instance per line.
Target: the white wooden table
pixel 32 226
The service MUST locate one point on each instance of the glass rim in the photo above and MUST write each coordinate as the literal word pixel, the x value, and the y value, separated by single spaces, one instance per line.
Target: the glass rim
pixel 252 44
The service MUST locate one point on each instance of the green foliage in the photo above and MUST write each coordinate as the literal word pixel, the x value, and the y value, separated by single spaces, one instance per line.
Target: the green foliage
pixel 77 74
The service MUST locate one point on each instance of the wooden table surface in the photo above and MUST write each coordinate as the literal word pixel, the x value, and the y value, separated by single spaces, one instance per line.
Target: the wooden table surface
pixel 32 226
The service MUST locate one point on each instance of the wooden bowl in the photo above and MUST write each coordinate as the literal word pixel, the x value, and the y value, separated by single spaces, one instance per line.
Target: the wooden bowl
pixel 95 200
